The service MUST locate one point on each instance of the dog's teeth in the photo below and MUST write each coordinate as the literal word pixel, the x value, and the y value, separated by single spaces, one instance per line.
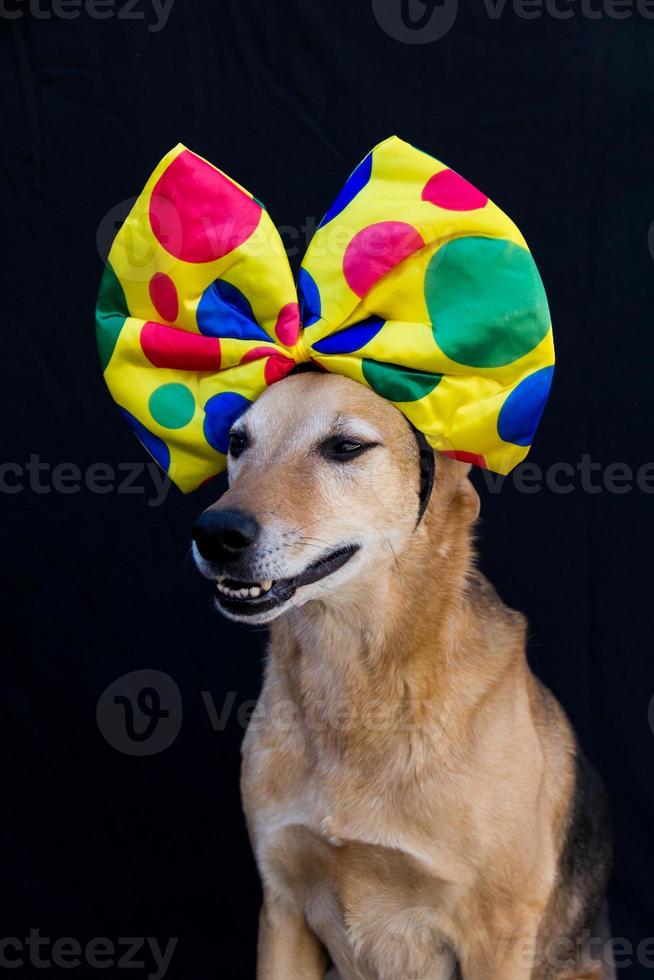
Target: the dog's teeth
pixel 226 591
pixel 252 591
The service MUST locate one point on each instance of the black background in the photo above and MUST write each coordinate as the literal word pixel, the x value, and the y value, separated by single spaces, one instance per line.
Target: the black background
pixel 553 119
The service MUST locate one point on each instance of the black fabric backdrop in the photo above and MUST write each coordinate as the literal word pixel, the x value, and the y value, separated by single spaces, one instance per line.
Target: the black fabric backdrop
pixel 553 119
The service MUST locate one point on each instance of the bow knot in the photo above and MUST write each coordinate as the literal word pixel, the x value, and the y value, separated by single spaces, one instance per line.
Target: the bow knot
pixel 300 352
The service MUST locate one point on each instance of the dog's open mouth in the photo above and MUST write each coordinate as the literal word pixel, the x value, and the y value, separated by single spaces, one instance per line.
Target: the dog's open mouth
pixel 252 598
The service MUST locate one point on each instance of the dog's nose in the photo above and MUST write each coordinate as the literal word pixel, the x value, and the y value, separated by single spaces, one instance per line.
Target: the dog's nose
pixel 223 535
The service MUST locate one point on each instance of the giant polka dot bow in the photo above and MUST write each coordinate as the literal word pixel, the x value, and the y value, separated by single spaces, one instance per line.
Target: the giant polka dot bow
pixel 414 284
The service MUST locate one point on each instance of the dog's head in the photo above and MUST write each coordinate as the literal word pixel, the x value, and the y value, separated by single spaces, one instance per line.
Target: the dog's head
pixel 324 482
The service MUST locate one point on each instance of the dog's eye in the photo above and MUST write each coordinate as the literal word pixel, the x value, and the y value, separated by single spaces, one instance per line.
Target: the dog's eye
pixel 341 450
pixel 237 444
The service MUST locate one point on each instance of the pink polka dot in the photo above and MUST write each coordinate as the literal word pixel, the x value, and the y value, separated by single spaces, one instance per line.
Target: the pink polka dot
pixel 256 353
pixel 168 347
pixel 197 214
pixel 449 190
pixel 164 296
pixel 376 250
pixel 277 365
pixel 287 327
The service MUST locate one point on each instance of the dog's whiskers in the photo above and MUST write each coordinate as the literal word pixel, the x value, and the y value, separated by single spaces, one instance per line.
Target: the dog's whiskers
pixel 301 527
pixel 390 545
pixel 313 543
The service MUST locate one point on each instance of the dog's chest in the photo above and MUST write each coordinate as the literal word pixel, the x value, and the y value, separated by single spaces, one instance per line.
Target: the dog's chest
pixel 369 893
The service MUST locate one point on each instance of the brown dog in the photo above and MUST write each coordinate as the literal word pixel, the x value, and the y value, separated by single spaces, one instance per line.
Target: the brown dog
pixel 416 799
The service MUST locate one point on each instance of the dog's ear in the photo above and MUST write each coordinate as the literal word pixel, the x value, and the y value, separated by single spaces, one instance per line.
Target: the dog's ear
pixel 457 488
pixel 466 492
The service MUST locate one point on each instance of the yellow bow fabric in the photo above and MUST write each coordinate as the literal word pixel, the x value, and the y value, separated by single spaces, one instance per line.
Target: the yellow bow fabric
pixel 414 284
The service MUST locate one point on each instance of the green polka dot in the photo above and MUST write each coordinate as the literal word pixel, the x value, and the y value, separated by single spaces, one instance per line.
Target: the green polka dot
pixel 111 311
pixel 486 301
pixel 172 405
pixel 398 384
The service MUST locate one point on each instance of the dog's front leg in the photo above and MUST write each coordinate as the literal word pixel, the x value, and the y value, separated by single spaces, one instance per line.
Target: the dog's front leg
pixel 288 949
pixel 498 955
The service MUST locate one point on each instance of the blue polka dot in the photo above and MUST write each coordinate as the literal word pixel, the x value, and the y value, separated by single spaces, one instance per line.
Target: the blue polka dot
pixel 351 338
pixel 309 296
pixel 221 411
pixel 154 445
pixel 224 311
pixel 355 183
pixel 521 412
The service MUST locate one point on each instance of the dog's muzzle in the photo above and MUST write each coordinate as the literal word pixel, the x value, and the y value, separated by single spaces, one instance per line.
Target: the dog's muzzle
pixel 253 598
